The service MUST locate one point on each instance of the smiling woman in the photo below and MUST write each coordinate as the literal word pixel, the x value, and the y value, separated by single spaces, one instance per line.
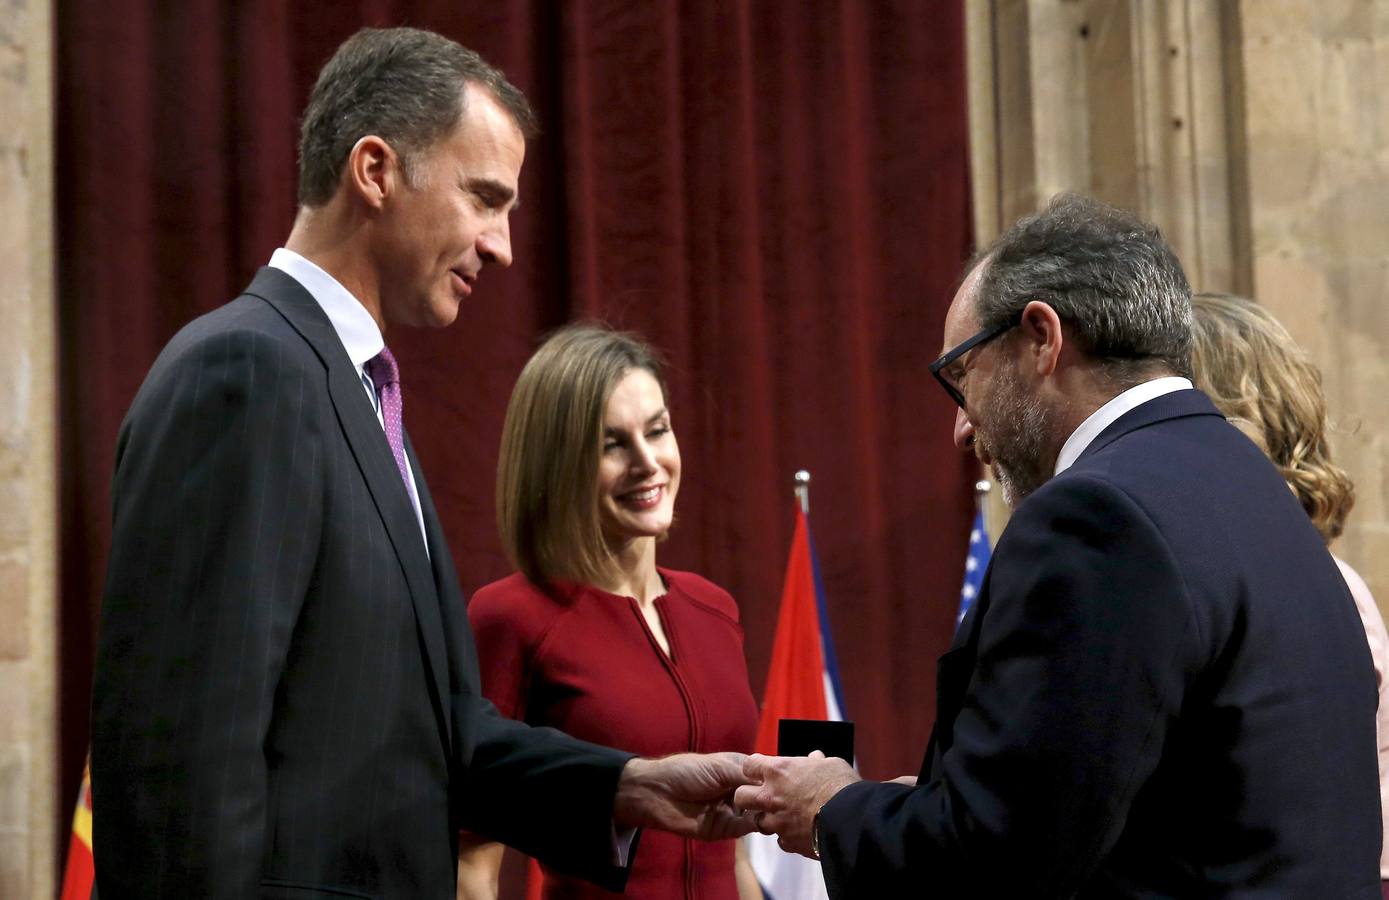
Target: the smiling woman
pixel 591 636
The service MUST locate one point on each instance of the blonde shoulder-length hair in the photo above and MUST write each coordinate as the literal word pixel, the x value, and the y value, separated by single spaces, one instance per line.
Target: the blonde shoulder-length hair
pixel 1265 384
pixel 547 473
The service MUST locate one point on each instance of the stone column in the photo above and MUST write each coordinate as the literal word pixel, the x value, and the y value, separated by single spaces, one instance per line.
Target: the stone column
pixel 29 855
pixel 1128 100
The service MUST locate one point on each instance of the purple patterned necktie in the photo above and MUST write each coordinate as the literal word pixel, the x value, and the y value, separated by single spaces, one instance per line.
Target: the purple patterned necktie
pixel 385 375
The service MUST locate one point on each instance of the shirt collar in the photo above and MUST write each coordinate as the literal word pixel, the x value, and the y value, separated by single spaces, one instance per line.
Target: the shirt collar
pixel 355 327
pixel 1106 415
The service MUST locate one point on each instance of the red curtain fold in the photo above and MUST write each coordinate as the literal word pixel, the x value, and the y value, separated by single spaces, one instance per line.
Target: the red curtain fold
pixel 775 194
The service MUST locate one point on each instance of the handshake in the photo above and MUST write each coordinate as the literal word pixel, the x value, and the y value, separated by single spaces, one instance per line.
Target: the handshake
pixel 727 795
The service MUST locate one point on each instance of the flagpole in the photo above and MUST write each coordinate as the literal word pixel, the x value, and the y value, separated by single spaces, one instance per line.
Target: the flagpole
pixel 803 490
pixel 982 488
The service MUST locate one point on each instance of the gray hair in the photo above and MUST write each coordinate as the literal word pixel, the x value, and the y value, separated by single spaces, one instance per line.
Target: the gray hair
pixel 404 85
pixel 1109 275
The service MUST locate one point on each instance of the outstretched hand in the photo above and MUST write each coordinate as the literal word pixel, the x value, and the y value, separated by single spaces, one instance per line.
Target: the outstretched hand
pixel 689 794
pixel 789 792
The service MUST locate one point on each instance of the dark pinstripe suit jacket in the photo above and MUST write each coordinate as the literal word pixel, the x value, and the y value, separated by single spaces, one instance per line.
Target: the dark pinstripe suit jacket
pixel 286 698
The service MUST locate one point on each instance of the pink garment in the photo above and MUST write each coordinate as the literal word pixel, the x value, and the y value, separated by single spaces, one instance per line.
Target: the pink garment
pixel 1379 650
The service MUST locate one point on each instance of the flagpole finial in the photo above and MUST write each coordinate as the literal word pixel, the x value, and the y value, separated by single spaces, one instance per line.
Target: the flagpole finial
pixel 802 479
pixel 983 486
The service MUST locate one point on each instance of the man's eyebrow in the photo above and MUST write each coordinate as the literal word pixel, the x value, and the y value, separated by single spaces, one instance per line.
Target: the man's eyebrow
pixel 495 192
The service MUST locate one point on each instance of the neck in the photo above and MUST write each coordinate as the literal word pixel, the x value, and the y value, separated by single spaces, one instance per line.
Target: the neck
pixel 1088 389
pixel 336 241
pixel 634 571
pixel 1080 389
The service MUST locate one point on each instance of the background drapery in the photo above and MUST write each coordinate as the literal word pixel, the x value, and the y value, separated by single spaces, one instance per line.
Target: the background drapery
pixel 775 194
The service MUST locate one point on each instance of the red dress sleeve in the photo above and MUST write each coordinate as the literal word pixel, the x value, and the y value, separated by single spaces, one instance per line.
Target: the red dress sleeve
pixel 508 618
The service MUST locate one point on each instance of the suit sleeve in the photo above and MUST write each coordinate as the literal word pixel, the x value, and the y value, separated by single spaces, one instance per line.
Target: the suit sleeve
pixel 1080 669
pixel 581 776
pixel 546 794
pixel 536 789
pixel 217 511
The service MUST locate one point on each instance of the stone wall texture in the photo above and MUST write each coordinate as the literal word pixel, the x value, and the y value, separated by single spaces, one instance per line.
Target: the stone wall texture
pixel 29 853
pixel 1317 130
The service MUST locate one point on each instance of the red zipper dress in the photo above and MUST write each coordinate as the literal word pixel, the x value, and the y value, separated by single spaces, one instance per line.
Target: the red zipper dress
pixel 584 661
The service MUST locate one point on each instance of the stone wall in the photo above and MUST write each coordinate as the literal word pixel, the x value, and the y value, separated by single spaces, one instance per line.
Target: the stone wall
pixel 29 855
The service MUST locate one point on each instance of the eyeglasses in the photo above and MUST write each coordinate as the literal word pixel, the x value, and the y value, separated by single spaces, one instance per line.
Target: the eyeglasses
pixel 950 356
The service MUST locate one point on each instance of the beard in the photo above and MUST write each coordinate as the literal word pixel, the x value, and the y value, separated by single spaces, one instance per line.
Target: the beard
pixel 1014 433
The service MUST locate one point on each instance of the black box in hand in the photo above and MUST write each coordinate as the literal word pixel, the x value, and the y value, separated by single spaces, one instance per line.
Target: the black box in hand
pixel 798 737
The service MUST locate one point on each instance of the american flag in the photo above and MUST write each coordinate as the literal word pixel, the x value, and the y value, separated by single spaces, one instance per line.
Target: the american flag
pixel 976 561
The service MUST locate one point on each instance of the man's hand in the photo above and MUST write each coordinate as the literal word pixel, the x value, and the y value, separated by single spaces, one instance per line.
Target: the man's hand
pixel 689 794
pixel 791 792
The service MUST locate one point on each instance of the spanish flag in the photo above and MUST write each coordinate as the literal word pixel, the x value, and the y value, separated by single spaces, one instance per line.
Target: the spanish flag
pixel 80 875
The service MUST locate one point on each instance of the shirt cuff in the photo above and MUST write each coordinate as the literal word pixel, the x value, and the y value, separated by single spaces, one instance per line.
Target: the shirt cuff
pixel 622 845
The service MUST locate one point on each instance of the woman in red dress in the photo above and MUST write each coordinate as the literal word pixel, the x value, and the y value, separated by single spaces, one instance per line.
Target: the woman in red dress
pixel 591 636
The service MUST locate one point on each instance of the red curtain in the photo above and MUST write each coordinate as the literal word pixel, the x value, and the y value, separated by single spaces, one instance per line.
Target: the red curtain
pixel 775 194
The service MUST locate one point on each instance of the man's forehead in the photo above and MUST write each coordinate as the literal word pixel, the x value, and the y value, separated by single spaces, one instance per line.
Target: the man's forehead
pixel 487 145
pixel 960 319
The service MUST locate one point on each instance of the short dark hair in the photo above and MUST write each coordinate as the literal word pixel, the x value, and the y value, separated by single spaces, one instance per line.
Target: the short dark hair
pixel 1107 273
pixel 404 85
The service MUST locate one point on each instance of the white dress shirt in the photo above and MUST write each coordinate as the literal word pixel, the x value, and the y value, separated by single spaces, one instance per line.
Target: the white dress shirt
pixel 1106 415
pixel 356 329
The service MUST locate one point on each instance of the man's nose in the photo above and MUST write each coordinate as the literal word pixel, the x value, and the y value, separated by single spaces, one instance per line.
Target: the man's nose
pixel 964 430
pixel 494 244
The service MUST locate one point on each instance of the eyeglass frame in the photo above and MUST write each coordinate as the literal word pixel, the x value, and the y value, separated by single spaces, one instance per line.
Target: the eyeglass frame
pixel 959 350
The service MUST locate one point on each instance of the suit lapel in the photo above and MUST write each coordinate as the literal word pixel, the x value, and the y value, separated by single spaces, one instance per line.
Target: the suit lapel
pixel 367 441
pixel 441 575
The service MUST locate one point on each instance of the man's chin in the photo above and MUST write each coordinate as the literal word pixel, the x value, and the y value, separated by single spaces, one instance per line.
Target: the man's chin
pixel 442 313
pixel 1007 486
pixel 1015 489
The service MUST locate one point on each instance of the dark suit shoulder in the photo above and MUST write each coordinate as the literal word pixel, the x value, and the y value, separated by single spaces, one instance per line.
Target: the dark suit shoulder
pixel 244 339
pixel 247 321
pixel 238 369
pixel 1079 506
pixel 1084 549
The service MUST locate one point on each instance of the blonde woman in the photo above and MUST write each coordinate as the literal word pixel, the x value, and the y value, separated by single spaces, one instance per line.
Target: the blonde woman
pixel 590 635
pixel 1266 386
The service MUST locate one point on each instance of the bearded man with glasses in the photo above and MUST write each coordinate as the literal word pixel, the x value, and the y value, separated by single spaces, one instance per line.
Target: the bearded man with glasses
pixel 1163 688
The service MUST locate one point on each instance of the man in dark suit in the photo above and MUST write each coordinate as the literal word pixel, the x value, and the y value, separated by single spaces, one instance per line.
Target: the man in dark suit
pixel 286 699
pixel 1163 689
